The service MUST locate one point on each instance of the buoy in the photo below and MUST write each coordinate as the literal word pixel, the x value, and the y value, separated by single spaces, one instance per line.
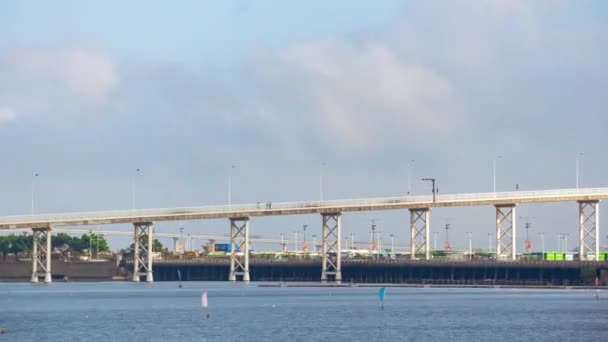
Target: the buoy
pixel 2 331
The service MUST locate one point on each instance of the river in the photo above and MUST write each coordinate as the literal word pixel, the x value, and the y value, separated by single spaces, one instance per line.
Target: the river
pixel 237 312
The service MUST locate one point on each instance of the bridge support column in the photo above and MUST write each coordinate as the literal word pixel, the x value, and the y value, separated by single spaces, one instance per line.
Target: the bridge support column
pixel 506 232
pixel 420 231
pixel 332 258
pixel 589 230
pixel 239 236
pixel 142 253
pixel 41 255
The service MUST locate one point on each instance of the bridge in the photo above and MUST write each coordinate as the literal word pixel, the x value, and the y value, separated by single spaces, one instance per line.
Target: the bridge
pixel 239 216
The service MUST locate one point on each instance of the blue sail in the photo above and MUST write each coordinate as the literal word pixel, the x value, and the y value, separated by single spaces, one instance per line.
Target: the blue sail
pixel 381 294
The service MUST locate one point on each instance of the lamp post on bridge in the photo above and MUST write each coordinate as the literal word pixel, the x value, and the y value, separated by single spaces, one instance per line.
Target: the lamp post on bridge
pixel 33 192
pixel 497 157
pixel 432 180
pixel 133 188
pixel 542 243
pixel 314 242
pixel 392 244
pixel 230 184
pixel 580 156
pixel 321 181
pixel 409 177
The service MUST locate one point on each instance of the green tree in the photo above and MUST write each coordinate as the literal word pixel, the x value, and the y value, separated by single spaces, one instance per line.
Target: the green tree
pixel 93 241
pixel 99 243
pixel 21 243
pixel 157 246
pixel 62 239
pixel 15 244
pixel 4 246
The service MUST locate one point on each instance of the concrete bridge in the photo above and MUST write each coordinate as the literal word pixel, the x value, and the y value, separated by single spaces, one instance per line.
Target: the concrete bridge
pixel 505 204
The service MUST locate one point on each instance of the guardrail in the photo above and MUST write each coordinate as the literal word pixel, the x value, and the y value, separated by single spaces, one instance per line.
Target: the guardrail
pixel 261 207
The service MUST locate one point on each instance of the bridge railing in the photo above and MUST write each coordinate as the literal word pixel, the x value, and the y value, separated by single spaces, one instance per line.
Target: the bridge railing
pixel 262 206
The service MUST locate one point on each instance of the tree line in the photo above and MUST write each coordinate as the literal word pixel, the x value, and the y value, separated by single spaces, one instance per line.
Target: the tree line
pixel 14 244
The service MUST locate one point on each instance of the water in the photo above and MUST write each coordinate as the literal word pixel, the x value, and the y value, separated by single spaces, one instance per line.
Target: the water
pixel 164 312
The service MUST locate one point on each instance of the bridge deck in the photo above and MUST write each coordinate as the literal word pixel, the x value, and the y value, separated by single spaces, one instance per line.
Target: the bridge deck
pixel 299 208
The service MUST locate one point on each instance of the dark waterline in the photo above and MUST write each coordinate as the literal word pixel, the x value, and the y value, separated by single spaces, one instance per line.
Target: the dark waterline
pixel 164 312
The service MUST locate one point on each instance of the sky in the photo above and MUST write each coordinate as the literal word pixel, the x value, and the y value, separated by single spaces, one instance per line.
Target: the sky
pixel 274 95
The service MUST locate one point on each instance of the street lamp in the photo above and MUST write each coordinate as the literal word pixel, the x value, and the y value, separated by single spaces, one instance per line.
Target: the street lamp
pixel 528 225
pixel 495 171
pixel 295 246
pixel 409 176
pixel 371 238
pixel 305 247
pixel 379 248
pixel 90 244
pixel 542 243
pixel 470 234
pixel 578 158
pixel 392 244
pixel 33 185
pixel 435 234
pixel 97 238
pixel 314 242
pixel 133 188
pixel 230 184
pixel 321 181
pixel 432 180
pixel 490 236
pixel 447 245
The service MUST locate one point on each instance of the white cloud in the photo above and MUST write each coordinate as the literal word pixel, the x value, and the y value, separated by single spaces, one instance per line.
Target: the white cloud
pixel 7 114
pixel 355 94
pixel 423 77
pixel 42 80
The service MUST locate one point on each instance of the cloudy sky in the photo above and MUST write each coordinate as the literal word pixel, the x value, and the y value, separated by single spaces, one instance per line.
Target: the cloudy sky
pixel 287 91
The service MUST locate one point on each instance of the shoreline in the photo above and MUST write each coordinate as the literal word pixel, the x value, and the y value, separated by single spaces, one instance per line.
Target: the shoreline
pixel 262 284
pixel 444 286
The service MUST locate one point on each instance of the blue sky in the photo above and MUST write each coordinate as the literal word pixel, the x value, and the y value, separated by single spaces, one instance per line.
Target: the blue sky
pixel 183 90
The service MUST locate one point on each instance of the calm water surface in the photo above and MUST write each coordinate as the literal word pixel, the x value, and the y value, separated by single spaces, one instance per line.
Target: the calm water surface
pixel 164 312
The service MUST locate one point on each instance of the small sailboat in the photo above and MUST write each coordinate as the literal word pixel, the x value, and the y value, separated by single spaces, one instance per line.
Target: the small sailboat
pixel 204 303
